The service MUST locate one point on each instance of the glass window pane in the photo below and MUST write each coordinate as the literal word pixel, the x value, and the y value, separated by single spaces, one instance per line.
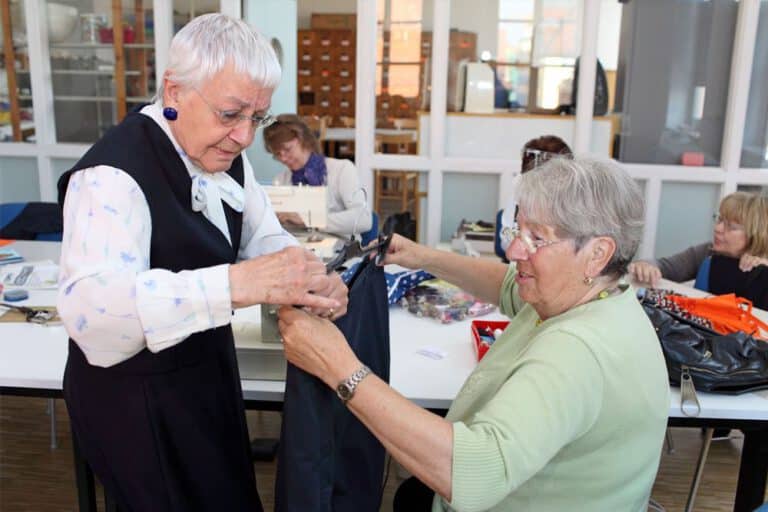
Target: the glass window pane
pixel 405 42
pixel 402 75
pixel 326 67
pixel 388 199
pixel 515 80
pixel 754 152
pixel 18 180
pixel 514 42
pixel 685 216
pixel 672 81
pixel 404 81
pixel 566 10
pixel 555 39
pixel 184 11
pixel 95 81
pixel 554 86
pixel 516 9
pixel 483 189
pixel 16 114
pixel 405 10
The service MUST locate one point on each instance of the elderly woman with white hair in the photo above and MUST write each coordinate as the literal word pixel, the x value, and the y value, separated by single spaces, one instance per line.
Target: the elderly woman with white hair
pixel 568 408
pixel 165 232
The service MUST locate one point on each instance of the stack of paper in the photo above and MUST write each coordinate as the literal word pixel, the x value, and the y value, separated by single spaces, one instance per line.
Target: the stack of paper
pixel 9 256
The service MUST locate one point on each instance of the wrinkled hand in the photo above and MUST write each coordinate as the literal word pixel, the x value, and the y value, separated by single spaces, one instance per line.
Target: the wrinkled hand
pixel 644 272
pixel 747 262
pixel 292 218
pixel 405 252
pixel 291 276
pixel 316 346
pixel 336 290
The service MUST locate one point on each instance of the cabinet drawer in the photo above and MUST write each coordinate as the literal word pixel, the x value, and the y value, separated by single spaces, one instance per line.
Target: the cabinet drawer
pixel 306 38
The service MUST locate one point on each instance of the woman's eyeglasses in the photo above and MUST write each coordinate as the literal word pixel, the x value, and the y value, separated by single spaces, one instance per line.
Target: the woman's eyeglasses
pixel 230 118
pixel 509 233
pixel 729 226
pixel 537 156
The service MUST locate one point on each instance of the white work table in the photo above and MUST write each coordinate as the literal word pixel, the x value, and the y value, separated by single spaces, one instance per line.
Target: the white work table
pixel 32 359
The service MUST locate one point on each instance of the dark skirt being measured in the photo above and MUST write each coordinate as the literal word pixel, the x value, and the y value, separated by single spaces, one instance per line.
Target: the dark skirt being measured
pixel 166 431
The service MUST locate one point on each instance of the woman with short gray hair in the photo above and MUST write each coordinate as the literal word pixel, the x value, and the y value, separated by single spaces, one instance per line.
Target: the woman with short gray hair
pixel 585 198
pixel 166 232
pixel 575 382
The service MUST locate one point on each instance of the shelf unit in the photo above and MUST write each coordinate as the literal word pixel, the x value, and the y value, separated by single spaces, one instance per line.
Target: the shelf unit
pixel 9 59
pixel 127 86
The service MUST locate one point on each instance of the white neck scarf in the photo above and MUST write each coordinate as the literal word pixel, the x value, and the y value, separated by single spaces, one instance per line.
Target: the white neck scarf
pixel 208 189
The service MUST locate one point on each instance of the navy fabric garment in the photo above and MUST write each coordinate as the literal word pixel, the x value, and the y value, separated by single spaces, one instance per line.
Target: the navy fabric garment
pixel 397 284
pixel 166 431
pixel 328 460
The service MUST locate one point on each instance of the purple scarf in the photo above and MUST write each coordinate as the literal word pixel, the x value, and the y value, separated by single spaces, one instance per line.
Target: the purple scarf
pixel 313 173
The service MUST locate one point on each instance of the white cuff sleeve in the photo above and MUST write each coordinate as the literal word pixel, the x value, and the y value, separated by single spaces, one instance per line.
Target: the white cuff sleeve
pixel 172 306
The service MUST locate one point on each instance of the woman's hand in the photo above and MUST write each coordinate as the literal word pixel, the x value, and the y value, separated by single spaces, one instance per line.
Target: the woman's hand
pixel 405 252
pixel 336 290
pixel 291 276
pixel 747 262
pixel 644 272
pixel 316 346
pixel 290 218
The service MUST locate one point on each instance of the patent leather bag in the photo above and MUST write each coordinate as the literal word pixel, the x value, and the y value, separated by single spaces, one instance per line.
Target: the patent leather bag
pixel 717 363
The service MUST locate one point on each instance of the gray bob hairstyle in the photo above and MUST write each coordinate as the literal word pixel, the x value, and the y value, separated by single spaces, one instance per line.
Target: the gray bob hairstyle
pixel 583 198
pixel 205 45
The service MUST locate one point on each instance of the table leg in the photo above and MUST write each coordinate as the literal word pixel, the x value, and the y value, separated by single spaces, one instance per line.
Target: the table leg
pixel 86 489
pixel 753 470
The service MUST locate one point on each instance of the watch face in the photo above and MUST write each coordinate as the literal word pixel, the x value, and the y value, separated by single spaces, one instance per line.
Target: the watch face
pixel 344 392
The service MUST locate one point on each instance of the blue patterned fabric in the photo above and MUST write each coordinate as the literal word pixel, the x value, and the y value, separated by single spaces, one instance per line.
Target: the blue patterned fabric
pixel 313 173
pixel 397 283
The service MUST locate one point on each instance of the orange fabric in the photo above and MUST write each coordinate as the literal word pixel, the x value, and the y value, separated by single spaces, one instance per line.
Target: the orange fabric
pixel 5 242
pixel 728 313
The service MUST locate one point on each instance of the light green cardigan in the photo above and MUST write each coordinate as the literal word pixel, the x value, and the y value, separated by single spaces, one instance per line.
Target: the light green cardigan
pixel 566 415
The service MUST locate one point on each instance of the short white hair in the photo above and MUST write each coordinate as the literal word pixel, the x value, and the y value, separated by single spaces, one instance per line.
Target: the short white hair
pixel 583 198
pixel 205 45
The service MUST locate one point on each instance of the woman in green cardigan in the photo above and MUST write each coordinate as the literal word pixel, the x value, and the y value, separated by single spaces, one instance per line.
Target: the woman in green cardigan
pixel 568 409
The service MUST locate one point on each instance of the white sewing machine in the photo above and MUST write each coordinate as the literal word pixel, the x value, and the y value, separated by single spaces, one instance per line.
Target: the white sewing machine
pixel 311 203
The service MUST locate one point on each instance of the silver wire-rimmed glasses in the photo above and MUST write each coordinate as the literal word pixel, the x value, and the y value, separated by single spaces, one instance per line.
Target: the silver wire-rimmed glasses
pixel 230 118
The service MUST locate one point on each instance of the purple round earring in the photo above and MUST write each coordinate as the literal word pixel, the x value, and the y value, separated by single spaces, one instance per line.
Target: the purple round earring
pixel 170 113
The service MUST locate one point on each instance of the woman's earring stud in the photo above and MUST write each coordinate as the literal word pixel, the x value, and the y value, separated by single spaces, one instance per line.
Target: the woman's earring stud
pixel 170 113
pixel 588 280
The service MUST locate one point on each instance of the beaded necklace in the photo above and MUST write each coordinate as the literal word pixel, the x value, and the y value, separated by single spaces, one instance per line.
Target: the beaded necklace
pixel 604 294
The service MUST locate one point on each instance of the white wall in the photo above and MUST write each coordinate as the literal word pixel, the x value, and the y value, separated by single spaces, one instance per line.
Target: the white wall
pixel 275 19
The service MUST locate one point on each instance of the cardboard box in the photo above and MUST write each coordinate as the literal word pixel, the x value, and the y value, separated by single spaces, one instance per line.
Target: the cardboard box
pixel 333 21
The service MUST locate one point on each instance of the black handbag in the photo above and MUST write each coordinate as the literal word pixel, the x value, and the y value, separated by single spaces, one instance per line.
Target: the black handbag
pixel 731 364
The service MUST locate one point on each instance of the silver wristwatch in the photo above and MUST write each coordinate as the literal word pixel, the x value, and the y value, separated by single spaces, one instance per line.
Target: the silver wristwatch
pixel 346 388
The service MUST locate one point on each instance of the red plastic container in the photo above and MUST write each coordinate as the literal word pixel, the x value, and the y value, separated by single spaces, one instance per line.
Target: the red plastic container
pixel 478 326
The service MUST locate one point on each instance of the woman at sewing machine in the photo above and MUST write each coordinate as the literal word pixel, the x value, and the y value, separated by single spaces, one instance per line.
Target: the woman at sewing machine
pixel 292 143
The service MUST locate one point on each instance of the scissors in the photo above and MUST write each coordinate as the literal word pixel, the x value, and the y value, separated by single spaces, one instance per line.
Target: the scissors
pixel 32 315
pixel 353 249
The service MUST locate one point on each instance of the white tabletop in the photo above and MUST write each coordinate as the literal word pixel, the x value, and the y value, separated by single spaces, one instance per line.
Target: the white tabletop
pixel 33 356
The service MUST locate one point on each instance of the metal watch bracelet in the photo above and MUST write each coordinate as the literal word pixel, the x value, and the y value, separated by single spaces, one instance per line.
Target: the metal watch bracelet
pixel 346 388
